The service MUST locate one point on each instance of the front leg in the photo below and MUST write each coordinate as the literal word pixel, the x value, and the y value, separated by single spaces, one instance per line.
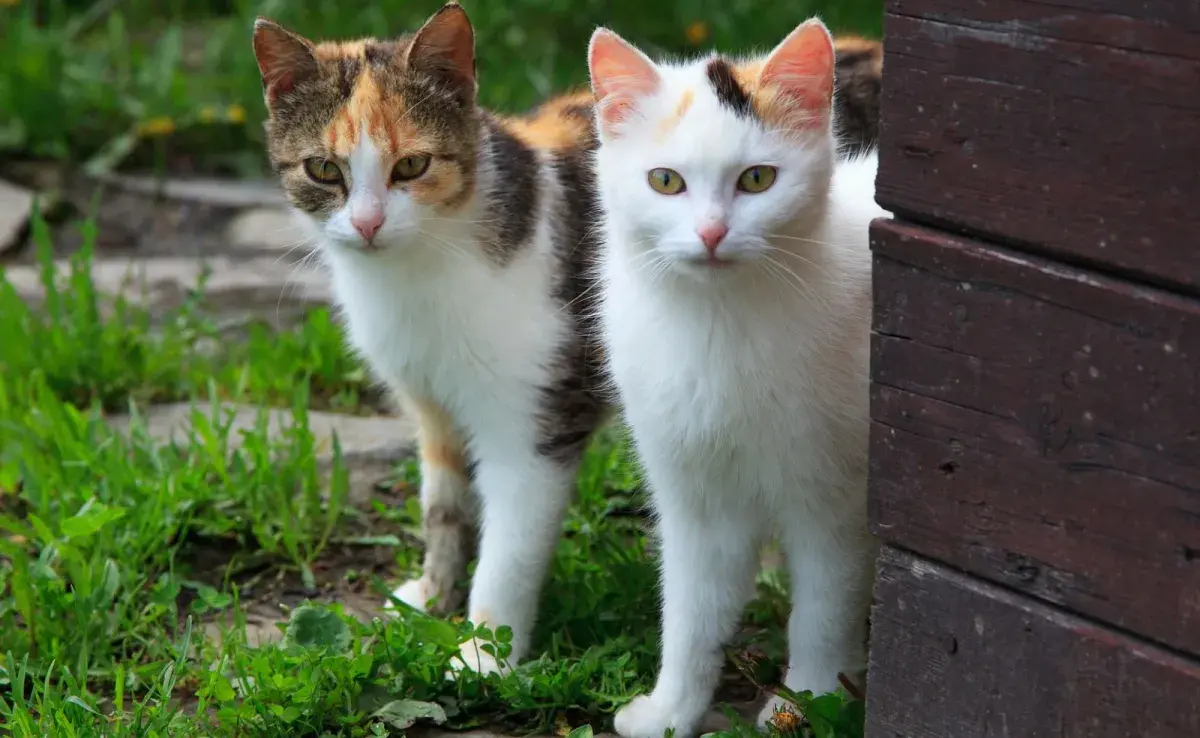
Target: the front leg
pixel 524 499
pixel 447 512
pixel 831 564
pixel 708 560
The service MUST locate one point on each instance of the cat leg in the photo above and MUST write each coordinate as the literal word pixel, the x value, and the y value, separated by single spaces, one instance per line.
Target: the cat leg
pixel 524 499
pixel 447 513
pixel 709 558
pixel 831 568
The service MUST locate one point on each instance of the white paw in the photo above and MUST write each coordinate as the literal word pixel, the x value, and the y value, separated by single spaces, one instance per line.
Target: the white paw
pixel 646 717
pixel 472 658
pixel 415 593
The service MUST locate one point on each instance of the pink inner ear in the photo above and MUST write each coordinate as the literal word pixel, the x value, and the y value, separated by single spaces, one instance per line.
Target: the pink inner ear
pixel 801 69
pixel 620 73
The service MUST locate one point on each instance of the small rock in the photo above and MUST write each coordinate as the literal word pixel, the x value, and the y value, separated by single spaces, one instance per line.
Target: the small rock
pixel 162 279
pixel 234 193
pixel 267 228
pixel 16 208
pixel 363 439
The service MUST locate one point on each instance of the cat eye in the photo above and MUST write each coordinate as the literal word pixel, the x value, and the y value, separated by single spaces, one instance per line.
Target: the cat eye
pixel 666 181
pixel 757 179
pixel 322 171
pixel 410 167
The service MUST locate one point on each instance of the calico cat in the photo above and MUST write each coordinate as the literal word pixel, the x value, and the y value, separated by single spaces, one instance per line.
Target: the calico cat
pixel 735 311
pixel 459 244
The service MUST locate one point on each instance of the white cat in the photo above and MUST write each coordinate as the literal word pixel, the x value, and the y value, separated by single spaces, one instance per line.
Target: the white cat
pixel 736 311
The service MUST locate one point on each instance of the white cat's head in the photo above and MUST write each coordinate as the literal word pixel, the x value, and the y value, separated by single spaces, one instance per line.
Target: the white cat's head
pixel 703 162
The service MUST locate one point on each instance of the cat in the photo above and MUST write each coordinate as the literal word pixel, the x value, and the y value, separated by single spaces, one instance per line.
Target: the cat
pixel 858 86
pixel 459 244
pixel 735 311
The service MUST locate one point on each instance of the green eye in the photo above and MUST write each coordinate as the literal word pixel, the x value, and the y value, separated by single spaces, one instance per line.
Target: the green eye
pixel 757 179
pixel 410 167
pixel 666 181
pixel 322 171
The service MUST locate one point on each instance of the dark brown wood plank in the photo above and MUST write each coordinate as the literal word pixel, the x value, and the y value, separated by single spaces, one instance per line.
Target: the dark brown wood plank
pixel 1071 128
pixel 1039 426
pixel 952 657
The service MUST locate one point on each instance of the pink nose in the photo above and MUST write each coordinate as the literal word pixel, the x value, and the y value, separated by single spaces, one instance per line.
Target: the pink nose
pixel 368 225
pixel 711 234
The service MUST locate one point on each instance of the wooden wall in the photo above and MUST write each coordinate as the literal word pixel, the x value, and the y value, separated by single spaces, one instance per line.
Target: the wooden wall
pixel 1036 371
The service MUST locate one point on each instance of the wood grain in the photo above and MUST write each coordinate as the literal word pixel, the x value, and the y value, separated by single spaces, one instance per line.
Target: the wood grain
pixel 1039 426
pixel 952 657
pixel 1070 128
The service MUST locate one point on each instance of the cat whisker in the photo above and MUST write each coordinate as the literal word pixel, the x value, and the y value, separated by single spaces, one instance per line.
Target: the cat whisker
pixel 306 241
pixel 788 276
pixel 446 245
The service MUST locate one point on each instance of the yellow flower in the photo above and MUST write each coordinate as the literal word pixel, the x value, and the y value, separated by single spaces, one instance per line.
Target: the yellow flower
pixel 785 720
pixel 207 114
pixel 157 127
pixel 236 114
pixel 697 33
pixel 9 3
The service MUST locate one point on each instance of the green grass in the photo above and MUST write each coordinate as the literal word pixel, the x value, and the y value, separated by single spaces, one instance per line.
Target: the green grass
pixel 154 82
pixel 107 541
pixel 119 550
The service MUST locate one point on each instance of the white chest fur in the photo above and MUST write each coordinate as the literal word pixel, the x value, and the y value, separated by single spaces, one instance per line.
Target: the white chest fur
pixel 455 330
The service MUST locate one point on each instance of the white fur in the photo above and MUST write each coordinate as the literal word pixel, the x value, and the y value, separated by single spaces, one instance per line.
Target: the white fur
pixel 745 386
pixel 438 321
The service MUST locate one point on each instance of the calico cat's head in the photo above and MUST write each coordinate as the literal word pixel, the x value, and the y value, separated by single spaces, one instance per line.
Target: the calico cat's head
pixel 702 162
pixel 371 138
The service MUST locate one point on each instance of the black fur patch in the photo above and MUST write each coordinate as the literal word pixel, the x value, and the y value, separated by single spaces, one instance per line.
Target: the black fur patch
pixel 576 402
pixel 729 90
pixel 858 87
pixel 381 53
pixel 348 71
pixel 513 202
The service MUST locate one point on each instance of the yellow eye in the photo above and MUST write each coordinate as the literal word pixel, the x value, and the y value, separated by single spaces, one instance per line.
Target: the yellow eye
pixel 666 181
pixel 322 171
pixel 757 179
pixel 410 167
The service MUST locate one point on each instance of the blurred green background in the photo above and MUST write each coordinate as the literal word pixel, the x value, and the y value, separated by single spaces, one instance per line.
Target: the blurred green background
pixel 173 83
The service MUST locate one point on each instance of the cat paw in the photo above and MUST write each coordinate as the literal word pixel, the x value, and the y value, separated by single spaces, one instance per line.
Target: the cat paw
pixel 472 658
pixel 647 717
pixel 416 593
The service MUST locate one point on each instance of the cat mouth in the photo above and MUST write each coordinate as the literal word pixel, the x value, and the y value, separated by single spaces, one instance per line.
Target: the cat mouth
pixel 710 261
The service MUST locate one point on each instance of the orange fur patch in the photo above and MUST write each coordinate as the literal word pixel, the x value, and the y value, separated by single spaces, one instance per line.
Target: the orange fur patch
pixel 552 126
pixel 381 115
pixel 438 440
pixel 671 122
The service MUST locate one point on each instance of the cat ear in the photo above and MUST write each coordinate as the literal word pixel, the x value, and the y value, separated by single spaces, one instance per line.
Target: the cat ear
pixel 284 59
pixel 620 74
pixel 798 74
pixel 445 48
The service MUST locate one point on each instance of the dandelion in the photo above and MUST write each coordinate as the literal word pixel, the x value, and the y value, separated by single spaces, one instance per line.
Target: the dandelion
pixel 208 114
pixel 236 114
pixel 156 127
pixel 785 720
pixel 697 33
